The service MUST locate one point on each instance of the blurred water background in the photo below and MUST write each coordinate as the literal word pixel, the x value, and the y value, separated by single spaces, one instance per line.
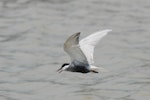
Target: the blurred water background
pixel 32 33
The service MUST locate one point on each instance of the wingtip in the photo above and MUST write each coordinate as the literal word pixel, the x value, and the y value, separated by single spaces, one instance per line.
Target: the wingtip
pixel 104 32
pixel 72 40
pixel 107 30
pixel 77 34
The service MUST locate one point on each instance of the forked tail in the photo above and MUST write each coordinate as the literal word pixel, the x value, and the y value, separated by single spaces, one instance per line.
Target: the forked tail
pixel 97 69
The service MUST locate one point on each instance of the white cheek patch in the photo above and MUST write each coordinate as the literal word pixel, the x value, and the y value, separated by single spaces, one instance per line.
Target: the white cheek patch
pixel 65 67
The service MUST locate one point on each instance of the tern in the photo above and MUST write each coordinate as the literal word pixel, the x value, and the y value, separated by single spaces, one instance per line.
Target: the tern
pixel 81 52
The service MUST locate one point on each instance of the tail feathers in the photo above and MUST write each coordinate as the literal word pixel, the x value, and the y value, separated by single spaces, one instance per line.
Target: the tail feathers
pixel 97 69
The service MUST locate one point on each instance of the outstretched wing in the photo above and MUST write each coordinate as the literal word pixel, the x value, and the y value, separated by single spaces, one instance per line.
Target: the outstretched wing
pixel 72 47
pixel 88 44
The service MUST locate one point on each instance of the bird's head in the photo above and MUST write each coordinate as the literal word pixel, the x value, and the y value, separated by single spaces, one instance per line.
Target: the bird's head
pixel 63 67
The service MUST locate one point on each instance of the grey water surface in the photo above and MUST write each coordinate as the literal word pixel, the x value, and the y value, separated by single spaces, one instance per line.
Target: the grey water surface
pixel 32 33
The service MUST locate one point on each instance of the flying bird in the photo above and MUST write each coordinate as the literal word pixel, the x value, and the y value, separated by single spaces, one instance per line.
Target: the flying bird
pixel 81 53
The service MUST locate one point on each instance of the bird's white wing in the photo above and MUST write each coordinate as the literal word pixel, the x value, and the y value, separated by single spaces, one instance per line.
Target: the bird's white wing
pixel 72 47
pixel 88 43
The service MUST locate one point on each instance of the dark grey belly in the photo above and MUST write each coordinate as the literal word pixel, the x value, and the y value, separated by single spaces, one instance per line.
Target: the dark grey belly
pixel 80 69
